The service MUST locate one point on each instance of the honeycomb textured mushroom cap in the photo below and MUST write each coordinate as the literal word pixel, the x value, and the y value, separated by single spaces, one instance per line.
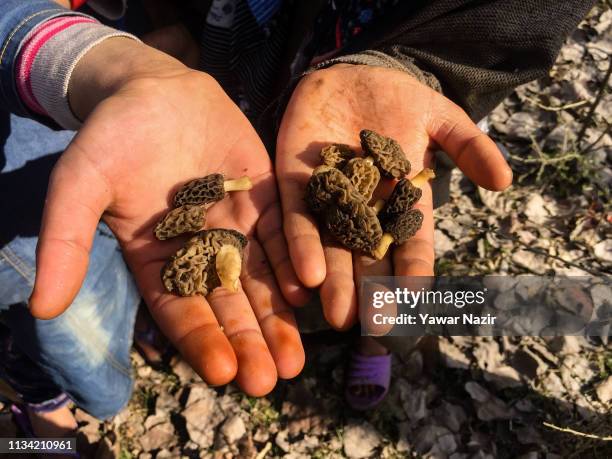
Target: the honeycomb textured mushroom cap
pixel 336 155
pixel 184 219
pixel 363 174
pixel 201 191
pixel 404 196
pixel 192 270
pixel 404 226
pixel 186 273
pixel 387 153
pixel 354 224
pixel 325 185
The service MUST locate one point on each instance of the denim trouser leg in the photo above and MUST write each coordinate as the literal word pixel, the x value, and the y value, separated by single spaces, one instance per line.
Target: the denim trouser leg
pixel 84 351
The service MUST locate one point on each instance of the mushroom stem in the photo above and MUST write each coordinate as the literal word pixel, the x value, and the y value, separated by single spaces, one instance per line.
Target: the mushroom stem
pixel 423 177
pixel 239 184
pixel 368 160
pixel 228 264
pixel 383 246
pixel 321 169
pixel 378 205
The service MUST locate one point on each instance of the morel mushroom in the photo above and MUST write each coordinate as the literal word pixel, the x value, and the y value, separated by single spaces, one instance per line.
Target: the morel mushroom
pixel 387 153
pixel 209 189
pixel 325 183
pixel 404 196
pixel 184 219
pixel 209 260
pixel 363 174
pixel 398 219
pixel 336 155
pixel 343 209
pixel 354 224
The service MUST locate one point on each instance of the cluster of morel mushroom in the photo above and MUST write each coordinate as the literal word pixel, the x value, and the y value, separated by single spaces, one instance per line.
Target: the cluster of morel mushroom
pixel 211 258
pixel 340 192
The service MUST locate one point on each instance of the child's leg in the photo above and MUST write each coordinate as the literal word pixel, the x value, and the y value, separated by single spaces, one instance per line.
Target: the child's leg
pixel 85 351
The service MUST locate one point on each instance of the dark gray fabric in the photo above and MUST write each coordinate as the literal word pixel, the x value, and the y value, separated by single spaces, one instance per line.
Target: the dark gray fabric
pixel 381 59
pixel 479 50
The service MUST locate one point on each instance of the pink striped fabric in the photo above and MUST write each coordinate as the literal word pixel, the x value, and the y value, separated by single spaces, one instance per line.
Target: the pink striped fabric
pixel 31 47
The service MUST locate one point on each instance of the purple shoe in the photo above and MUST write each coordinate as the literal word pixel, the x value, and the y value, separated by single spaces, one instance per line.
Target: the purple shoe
pixel 367 370
pixel 20 415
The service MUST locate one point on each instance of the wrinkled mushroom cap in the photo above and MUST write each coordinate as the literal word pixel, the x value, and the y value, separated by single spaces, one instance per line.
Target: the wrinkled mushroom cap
pixel 336 155
pixel 363 174
pixel 184 219
pixel 387 153
pixel 191 271
pixel 404 196
pixel 354 224
pixel 404 226
pixel 201 191
pixel 186 273
pixel 324 186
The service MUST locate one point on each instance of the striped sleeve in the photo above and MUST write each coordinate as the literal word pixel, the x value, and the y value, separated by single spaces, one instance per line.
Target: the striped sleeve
pixel 47 60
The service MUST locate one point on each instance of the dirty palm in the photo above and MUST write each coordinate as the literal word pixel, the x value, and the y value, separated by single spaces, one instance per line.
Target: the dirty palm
pixel 330 106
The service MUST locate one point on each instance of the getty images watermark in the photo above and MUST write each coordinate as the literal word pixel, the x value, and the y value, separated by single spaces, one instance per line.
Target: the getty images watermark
pixel 411 299
pixel 486 306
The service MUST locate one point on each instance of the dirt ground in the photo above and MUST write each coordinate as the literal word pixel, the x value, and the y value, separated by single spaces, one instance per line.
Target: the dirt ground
pixel 454 398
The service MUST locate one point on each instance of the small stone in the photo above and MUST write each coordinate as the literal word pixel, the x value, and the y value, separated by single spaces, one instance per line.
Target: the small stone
pixel 488 407
pixel 198 413
pixel 168 454
pixel 452 356
pixel 157 437
pixel 144 371
pixel 282 440
pixel 520 125
pixel 528 435
pixel 603 250
pixel 442 244
pixel 184 372
pixel 452 416
pixel 451 227
pixel 529 260
pixel 535 209
pixel 121 417
pixel 165 403
pixel 602 297
pixel 261 435
pixel 306 444
pixel 554 385
pixel 573 52
pixel 233 429
pixel 528 287
pixel 403 445
pixel 430 436
pixel 414 366
pixel 604 390
pixel 525 405
pixel 154 420
pixel 506 301
pixel 415 403
pixel 360 440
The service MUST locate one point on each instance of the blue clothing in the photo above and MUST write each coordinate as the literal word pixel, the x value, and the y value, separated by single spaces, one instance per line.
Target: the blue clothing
pixel 17 19
pixel 85 351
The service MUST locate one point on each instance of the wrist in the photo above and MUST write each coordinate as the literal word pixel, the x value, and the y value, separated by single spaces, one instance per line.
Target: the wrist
pixel 112 64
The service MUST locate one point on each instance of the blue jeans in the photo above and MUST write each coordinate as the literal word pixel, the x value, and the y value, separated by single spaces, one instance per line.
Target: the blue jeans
pixel 85 351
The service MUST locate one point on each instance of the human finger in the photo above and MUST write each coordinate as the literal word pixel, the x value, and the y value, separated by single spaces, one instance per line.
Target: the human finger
pixel 275 317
